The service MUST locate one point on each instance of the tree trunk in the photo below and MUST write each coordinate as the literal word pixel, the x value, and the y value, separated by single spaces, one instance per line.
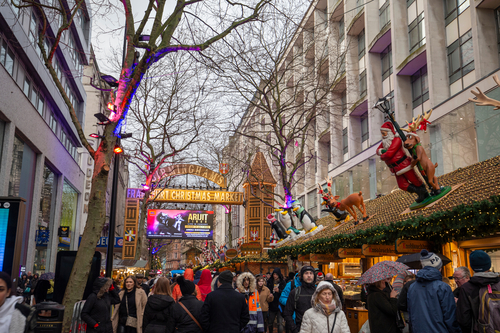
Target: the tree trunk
pixel 93 228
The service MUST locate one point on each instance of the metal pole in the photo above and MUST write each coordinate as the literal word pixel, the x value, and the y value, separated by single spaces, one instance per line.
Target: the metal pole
pixel 112 216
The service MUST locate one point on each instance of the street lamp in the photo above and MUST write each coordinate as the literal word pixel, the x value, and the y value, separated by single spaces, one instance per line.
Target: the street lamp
pixel 384 106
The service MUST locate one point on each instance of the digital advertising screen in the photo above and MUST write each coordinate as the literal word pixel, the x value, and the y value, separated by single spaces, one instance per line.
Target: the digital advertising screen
pixel 186 224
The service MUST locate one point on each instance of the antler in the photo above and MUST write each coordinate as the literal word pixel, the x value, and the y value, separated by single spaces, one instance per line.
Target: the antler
pixel 482 100
pixel 413 126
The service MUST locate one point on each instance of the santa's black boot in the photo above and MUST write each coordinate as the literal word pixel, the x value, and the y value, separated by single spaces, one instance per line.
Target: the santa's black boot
pixel 421 191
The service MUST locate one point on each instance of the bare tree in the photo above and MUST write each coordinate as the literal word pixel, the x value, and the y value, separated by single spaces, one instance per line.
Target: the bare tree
pixel 285 81
pixel 180 30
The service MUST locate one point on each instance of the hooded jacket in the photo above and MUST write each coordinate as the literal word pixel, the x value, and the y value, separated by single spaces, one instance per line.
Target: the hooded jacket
pixel 204 285
pixel 176 292
pixel 317 320
pixel 431 304
pixel 281 284
pixel 197 276
pixel 469 298
pixel 183 322
pixel 97 308
pixel 300 306
pixel 256 323
pixel 382 311
pixel 158 315
pixel 289 287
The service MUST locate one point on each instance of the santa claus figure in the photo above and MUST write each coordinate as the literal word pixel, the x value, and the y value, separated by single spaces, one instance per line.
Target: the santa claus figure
pixel 392 153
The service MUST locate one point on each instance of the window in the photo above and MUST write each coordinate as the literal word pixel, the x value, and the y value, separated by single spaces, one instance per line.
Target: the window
pixel 40 105
pixel 461 57
pixel 384 14
pixel 416 32
pixel 33 33
pixel 365 135
pixel 419 87
pixel 361 44
pixel 345 141
pixel 362 84
pixel 343 100
pixel 386 57
pixel 341 30
pixel 53 123
pixel 453 8
pixel 312 203
pixel 27 87
pixel 360 5
pixel 175 255
pixel 14 8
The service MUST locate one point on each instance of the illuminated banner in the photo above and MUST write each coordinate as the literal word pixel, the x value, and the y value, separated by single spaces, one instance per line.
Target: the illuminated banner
pixel 411 246
pixel 197 196
pixel 130 230
pixel 187 224
pixel 191 169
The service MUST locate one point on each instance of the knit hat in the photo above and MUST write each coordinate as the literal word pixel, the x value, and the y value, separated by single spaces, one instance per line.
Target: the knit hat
pixel 305 269
pixel 187 286
pixel 480 261
pixel 226 277
pixel 388 126
pixel 430 259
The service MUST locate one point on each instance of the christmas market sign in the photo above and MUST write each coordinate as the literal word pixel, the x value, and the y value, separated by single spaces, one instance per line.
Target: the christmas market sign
pixel 197 196
pixel 189 169
pixel 303 257
pixel 320 258
pixel 231 253
pixel 372 250
pixel 411 246
pixel 350 253
pixel 250 248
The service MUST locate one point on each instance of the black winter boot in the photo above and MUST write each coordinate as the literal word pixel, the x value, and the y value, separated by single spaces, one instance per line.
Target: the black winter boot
pixel 421 191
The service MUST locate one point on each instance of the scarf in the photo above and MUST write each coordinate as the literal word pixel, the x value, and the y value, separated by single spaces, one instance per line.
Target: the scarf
pixel 6 311
pixel 326 309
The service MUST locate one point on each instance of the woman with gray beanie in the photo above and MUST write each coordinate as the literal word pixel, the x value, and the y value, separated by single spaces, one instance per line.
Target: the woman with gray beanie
pixel 326 315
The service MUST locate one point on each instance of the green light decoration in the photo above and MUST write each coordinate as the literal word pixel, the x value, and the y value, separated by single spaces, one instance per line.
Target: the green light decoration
pixel 479 219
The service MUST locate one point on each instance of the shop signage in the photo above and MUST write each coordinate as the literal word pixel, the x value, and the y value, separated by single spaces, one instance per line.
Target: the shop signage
pixel 197 196
pixel 250 248
pixel 63 232
pixel 131 219
pixel 231 253
pixel 186 224
pixel 323 257
pixel 350 253
pixel 411 246
pixel 372 250
pixel 191 169
pixel 303 257
pixel 103 242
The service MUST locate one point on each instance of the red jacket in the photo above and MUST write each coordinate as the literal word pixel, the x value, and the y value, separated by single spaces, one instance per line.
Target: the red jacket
pixel 395 155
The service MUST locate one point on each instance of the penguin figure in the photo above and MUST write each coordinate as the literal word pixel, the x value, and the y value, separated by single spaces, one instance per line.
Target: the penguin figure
pixel 304 217
pixel 286 219
pixel 278 228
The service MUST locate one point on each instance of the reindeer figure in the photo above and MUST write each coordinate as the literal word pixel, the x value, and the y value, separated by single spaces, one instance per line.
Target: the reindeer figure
pixel 420 158
pixel 347 204
pixel 483 100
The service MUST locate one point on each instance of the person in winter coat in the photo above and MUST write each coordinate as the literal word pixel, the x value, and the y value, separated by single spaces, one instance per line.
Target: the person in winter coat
pixel 431 305
pixel 265 298
pixel 246 285
pixel 329 278
pixel 480 263
pixel 290 285
pixel 158 313
pixel 97 309
pixel 214 281
pixel 197 276
pixel 11 318
pixel 300 304
pixel 224 310
pixel 182 320
pixel 133 300
pixel 176 291
pixel 204 283
pixel 276 284
pixel 382 308
pixel 326 315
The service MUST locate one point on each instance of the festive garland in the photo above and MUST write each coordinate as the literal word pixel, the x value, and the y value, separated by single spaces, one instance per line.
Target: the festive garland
pixel 239 260
pixel 478 219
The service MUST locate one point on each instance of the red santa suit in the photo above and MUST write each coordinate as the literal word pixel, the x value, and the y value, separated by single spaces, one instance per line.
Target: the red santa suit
pixel 397 161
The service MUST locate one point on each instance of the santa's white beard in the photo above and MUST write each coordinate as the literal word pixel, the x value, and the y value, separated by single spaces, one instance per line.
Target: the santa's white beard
pixel 387 140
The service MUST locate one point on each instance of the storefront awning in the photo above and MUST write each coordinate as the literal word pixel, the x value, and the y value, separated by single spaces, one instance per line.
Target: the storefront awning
pixel 118 263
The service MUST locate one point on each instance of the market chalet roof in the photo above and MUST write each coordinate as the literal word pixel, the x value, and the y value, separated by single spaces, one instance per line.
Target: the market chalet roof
pixel 259 170
pixel 474 183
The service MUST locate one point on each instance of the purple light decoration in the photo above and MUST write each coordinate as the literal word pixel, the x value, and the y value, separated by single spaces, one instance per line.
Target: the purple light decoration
pixel 226 208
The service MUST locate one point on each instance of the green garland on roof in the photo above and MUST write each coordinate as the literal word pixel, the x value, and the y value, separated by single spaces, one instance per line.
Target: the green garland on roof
pixel 238 260
pixel 479 219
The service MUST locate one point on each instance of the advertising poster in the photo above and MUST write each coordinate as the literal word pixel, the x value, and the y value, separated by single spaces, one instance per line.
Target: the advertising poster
pixel 187 224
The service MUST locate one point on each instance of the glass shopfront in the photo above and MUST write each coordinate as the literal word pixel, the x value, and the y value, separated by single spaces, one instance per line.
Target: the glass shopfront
pixel 68 215
pixel 45 220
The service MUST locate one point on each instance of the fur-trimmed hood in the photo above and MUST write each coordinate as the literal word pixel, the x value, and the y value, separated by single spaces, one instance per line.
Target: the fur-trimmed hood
pixel 101 286
pixel 239 282
pixel 322 286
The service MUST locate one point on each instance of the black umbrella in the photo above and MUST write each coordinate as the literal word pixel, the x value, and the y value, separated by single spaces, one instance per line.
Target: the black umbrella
pixel 413 260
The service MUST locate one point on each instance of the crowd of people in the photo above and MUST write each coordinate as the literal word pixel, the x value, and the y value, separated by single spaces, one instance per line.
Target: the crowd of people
pixel 305 302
